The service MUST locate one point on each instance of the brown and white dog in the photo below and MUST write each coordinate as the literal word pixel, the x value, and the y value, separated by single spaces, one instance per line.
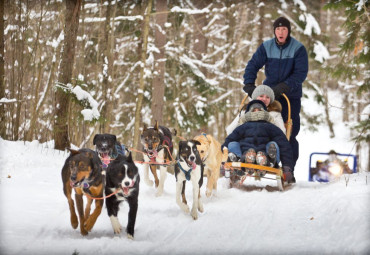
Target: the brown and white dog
pixel 158 148
pixel 82 173
pixel 212 157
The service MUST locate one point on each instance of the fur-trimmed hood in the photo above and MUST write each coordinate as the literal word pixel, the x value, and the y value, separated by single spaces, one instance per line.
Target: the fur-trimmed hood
pixel 275 107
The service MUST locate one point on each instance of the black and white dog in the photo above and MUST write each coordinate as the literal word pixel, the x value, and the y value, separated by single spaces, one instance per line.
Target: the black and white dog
pixel 189 167
pixel 123 180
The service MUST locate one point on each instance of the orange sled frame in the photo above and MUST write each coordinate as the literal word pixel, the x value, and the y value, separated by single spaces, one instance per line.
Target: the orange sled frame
pixel 230 167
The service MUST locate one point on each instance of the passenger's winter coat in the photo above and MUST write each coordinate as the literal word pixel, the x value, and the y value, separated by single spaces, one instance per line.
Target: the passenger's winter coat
pixel 256 135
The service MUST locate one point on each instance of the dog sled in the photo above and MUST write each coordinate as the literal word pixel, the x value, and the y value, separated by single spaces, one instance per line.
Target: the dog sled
pixel 237 172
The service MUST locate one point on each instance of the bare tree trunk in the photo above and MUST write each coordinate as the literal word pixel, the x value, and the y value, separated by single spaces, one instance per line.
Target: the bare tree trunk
pixel 140 95
pixel 327 115
pixel 200 41
pixel 107 67
pixel 2 74
pixel 20 73
pixel 30 132
pixel 160 62
pixel 62 99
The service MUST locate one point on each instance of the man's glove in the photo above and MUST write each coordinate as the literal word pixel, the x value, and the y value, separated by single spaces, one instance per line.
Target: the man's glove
pixel 288 174
pixel 280 89
pixel 249 88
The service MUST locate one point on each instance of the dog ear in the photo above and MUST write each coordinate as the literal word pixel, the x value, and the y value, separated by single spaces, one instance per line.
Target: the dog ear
pixel 114 137
pixel 129 157
pixel 196 142
pixel 181 143
pixel 156 125
pixel 145 127
pixel 72 151
pixel 95 137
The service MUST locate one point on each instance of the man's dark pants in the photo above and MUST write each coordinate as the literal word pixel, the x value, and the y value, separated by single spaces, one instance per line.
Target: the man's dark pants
pixel 295 106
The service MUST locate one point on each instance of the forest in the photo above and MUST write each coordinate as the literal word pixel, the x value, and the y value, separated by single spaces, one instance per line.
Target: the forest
pixel 71 69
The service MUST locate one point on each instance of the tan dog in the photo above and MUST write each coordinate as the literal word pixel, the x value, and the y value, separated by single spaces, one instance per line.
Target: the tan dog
pixel 212 157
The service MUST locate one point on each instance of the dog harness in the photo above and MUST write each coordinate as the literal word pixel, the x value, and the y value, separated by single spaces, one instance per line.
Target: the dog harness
pixel 166 142
pixel 187 173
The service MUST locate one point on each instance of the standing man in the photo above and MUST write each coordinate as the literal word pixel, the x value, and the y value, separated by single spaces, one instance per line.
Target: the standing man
pixel 286 66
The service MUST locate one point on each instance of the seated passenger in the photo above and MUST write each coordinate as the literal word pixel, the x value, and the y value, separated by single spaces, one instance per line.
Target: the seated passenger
pixel 266 95
pixel 333 161
pixel 259 141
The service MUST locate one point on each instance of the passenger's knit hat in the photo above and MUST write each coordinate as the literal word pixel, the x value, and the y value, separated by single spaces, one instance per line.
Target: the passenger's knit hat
pixel 263 90
pixel 256 104
pixel 282 22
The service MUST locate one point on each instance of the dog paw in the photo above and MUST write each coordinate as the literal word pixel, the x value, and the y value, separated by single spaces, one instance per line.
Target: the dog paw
pixel 194 213
pixel 200 207
pixel 208 193
pixel 149 182
pixel 131 237
pixel 115 225
pixel 159 193
pixel 74 223
pixel 88 224
pixel 84 232
pixel 185 208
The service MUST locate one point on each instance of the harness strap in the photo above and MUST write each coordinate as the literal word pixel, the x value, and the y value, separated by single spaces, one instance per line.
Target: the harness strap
pixel 187 173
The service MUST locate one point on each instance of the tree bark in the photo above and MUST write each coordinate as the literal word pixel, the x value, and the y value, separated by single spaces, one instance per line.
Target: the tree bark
pixel 160 62
pixel 140 95
pixel 62 99
pixel 2 74
pixel 107 67
pixel 200 41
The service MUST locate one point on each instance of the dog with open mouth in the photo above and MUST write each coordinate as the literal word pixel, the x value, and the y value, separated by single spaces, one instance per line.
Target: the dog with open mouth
pixel 158 148
pixel 122 184
pixel 189 167
pixel 82 173
pixel 108 148
pixel 212 158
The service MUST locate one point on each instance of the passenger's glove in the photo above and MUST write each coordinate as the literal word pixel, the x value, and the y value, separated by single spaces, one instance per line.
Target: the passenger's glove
pixel 280 89
pixel 222 148
pixel 249 88
pixel 288 174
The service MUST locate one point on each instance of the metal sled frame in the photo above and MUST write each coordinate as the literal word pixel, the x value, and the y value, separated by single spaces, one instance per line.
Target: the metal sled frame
pixel 230 166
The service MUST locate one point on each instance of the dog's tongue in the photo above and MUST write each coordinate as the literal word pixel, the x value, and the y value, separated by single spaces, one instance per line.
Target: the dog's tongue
pixel 126 190
pixel 193 165
pixel 106 159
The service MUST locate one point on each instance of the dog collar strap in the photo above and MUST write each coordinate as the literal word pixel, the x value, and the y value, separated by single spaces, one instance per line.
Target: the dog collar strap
pixel 187 173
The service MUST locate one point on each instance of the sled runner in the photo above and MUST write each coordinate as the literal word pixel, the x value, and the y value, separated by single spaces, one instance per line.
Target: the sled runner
pixel 239 171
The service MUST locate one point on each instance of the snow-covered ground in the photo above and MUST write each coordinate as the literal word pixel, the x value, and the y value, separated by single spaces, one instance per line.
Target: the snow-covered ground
pixel 307 218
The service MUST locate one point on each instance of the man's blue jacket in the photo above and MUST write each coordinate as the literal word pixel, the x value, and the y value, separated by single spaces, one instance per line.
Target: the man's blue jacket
pixel 286 63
